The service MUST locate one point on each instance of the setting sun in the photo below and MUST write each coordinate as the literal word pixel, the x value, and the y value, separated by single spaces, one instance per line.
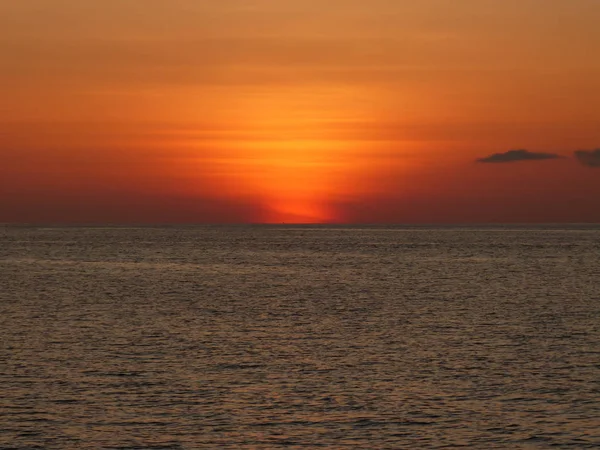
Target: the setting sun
pixel 299 111
pixel 299 223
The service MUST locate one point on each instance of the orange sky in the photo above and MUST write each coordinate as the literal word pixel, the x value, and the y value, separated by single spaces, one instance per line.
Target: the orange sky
pixel 156 111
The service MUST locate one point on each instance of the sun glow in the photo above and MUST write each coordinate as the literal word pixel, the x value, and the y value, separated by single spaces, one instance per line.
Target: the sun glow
pixel 289 210
pixel 289 158
pixel 296 180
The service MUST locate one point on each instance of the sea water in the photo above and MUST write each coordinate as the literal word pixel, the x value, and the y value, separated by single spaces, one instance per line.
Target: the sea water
pixel 260 337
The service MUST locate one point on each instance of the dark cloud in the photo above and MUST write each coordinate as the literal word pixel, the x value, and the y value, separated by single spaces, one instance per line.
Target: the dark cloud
pixel 590 158
pixel 516 156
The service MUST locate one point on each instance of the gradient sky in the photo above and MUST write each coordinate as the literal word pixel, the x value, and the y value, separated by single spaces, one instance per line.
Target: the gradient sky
pixel 155 111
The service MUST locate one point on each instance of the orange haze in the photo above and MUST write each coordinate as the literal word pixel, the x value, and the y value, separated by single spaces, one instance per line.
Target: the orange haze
pixel 277 111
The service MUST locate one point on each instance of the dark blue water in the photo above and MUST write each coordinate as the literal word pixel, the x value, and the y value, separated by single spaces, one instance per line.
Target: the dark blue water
pixel 300 337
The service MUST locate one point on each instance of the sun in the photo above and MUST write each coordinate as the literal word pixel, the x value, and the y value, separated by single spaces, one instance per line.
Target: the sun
pixel 296 211
pixel 295 180
pixel 284 151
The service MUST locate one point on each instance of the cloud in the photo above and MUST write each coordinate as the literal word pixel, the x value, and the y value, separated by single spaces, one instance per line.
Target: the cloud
pixel 590 158
pixel 516 156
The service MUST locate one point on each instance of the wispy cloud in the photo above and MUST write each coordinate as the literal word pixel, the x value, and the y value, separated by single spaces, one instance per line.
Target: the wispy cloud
pixel 590 158
pixel 516 156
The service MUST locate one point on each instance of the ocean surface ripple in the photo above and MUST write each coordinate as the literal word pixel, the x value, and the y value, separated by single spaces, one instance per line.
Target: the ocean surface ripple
pixel 260 337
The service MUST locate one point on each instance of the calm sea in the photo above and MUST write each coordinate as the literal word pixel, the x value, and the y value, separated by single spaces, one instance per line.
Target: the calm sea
pixel 259 337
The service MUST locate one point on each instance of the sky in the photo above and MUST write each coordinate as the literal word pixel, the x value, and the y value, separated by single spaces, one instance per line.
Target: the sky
pixel 299 111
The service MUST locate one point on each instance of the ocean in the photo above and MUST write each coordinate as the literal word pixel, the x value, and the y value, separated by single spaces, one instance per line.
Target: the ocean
pixel 265 337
